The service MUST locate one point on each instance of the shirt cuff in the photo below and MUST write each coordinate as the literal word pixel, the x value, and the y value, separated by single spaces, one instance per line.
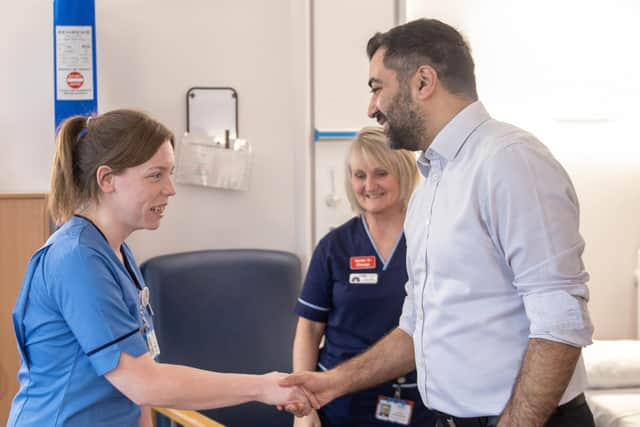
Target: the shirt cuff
pixel 559 316
pixel 407 322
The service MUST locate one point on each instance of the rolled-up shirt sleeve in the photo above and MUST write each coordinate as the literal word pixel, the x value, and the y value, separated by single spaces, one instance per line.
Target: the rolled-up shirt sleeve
pixel 534 219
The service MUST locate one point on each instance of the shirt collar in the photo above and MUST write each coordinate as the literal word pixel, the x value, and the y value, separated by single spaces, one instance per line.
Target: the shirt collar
pixel 454 134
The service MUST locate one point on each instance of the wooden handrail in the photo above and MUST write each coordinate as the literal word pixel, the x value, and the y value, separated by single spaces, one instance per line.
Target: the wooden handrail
pixel 187 418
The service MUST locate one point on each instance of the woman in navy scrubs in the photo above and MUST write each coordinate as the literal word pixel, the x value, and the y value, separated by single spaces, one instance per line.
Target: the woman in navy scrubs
pixel 83 322
pixel 354 288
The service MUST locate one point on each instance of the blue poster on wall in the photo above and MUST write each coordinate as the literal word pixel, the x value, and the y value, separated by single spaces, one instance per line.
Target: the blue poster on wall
pixel 74 58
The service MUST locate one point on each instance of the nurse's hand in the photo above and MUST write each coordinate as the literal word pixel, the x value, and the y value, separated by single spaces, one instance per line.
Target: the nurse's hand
pixel 311 420
pixel 293 398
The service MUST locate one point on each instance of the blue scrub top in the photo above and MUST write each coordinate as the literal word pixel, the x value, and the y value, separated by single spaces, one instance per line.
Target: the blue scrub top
pixel 77 311
pixel 357 315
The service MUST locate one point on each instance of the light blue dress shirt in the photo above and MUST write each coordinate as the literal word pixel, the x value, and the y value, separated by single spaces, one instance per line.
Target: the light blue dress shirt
pixel 493 258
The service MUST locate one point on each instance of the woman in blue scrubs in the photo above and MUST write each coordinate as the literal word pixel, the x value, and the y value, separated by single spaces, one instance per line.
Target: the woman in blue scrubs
pixel 354 288
pixel 83 321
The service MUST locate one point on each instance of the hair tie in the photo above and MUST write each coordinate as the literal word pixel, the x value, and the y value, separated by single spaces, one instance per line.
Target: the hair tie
pixel 85 129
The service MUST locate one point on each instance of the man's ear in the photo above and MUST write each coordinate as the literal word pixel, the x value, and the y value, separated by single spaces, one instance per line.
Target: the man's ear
pixel 105 179
pixel 426 81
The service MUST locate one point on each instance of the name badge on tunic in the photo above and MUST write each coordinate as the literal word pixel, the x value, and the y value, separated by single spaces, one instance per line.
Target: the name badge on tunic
pixel 394 410
pixel 363 278
pixel 362 262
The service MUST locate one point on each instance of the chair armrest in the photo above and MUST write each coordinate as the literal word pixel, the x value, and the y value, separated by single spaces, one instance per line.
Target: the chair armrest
pixel 186 418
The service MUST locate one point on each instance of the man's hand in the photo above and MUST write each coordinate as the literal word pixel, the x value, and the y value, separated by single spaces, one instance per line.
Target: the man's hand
pixel 293 398
pixel 389 358
pixel 320 387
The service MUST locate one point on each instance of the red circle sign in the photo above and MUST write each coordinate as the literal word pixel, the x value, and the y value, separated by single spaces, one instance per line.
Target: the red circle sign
pixel 75 80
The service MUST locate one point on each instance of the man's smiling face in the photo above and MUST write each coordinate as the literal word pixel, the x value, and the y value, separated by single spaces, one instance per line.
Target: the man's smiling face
pixel 392 106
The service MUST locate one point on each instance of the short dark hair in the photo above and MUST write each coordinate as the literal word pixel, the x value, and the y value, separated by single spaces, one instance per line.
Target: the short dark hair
pixel 432 42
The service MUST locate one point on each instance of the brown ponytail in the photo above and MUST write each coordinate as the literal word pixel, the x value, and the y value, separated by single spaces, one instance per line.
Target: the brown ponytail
pixel 64 192
pixel 119 139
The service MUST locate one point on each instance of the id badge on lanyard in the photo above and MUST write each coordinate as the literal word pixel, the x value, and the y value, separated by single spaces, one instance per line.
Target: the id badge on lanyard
pixel 147 330
pixel 395 409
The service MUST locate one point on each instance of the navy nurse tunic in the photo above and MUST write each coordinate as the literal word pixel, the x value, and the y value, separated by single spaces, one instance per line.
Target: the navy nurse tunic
pixel 359 296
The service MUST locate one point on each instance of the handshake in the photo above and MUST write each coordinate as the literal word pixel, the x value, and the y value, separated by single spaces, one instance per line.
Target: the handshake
pixel 299 393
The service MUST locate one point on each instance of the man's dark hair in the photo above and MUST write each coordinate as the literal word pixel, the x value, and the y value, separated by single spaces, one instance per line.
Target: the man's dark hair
pixel 430 42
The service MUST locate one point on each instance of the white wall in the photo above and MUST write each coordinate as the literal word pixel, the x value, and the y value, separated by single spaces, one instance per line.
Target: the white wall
pixel 341 30
pixel 26 85
pixel 149 54
pixel 567 71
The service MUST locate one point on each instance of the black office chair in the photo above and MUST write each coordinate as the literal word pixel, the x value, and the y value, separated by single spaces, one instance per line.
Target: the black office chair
pixel 227 311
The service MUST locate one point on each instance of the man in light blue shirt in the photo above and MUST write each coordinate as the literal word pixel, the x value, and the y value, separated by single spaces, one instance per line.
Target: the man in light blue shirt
pixel 495 314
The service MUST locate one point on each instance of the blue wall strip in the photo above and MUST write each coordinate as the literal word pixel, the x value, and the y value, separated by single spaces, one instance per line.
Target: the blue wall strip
pixel 322 135
pixel 74 59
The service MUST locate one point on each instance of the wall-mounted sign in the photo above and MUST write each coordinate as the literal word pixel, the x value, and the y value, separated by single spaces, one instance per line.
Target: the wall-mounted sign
pixel 74 66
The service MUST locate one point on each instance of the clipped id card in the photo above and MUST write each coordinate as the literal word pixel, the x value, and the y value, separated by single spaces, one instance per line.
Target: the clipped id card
pixel 152 343
pixel 394 410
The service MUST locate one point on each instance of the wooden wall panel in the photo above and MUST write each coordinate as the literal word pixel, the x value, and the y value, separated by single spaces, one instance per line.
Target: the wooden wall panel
pixel 24 226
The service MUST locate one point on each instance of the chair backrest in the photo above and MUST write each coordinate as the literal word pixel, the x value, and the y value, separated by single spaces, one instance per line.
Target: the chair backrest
pixel 227 311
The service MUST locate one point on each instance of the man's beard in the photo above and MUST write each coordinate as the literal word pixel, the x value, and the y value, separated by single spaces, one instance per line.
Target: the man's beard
pixel 405 126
